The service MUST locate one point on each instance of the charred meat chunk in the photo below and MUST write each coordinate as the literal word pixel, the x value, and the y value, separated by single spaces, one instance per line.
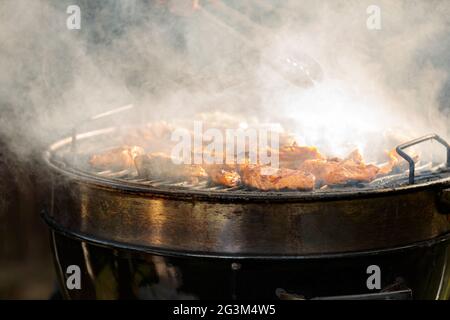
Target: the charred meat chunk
pixel 335 171
pixel 223 175
pixel 160 166
pixel 116 159
pixel 293 156
pixel 267 178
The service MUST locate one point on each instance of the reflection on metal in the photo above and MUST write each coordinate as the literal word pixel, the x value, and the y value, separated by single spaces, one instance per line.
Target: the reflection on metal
pixel 131 274
pixel 394 295
pixel 444 275
pixel 395 291
pixel 87 260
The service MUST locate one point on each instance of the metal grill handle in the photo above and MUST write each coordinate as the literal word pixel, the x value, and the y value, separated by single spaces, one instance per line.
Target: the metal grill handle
pixel 405 156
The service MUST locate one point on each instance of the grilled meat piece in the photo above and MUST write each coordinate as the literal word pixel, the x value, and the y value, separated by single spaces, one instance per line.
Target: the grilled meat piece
pixel 394 160
pixel 320 168
pixel 293 156
pixel 355 157
pixel 158 165
pixel 351 172
pixel 334 171
pixel 116 159
pixel 223 175
pixel 267 178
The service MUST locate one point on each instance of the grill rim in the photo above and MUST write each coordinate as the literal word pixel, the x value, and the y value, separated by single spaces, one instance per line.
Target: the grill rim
pixel 253 196
pixel 172 192
pixel 77 235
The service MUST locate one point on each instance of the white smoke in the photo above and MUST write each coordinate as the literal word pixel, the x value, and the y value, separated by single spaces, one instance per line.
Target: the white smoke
pixel 173 61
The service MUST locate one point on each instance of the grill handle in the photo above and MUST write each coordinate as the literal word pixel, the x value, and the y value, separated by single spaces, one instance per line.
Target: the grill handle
pixel 405 156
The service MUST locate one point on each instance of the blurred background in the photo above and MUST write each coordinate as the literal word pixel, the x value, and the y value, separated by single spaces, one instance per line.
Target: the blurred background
pixel 26 267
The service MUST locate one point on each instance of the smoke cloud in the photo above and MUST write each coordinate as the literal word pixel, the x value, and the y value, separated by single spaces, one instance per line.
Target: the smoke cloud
pixel 177 58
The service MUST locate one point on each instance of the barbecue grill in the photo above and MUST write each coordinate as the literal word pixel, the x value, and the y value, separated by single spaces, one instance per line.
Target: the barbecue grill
pixel 203 241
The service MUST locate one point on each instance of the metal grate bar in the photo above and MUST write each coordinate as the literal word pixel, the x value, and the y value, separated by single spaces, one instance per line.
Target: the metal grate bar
pixel 424 172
